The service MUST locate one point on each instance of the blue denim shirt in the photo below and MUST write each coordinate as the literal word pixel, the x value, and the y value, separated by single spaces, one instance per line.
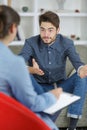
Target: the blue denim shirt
pixel 51 58
pixel 15 81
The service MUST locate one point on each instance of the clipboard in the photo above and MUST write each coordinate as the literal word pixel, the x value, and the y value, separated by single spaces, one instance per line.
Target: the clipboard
pixel 64 100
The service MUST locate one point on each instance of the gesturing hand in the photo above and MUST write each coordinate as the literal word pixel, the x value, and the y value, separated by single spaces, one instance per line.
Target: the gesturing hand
pixel 83 71
pixel 36 68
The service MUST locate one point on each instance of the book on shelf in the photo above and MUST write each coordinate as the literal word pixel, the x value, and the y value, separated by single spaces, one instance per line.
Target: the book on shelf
pixel 20 33
pixel 64 100
pixel 3 2
pixel 17 38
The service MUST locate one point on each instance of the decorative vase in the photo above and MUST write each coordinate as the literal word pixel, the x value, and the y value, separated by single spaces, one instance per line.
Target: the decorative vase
pixel 61 4
pixel 25 8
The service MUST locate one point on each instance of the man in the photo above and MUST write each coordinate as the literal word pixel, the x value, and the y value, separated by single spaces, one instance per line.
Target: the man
pixel 46 56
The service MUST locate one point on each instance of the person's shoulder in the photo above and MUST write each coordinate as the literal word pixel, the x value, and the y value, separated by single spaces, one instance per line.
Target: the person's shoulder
pixel 18 59
pixel 11 61
pixel 65 41
pixel 33 39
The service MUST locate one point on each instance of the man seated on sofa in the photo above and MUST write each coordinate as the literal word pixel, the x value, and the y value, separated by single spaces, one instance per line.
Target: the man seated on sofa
pixel 46 56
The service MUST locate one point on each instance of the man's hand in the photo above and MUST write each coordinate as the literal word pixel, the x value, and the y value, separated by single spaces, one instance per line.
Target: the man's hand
pixel 83 71
pixel 35 69
pixel 57 92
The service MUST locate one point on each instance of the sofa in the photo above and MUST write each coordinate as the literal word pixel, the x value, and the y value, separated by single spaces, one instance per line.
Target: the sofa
pixel 62 120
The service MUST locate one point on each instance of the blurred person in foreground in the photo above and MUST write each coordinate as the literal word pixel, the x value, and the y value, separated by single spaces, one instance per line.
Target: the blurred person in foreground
pixel 14 77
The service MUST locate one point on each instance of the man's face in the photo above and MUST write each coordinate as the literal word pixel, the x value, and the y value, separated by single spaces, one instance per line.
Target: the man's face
pixel 48 32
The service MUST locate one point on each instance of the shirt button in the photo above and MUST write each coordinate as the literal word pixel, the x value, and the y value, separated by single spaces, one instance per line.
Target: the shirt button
pixel 49 62
pixel 49 52
pixel 49 81
pixel 49 72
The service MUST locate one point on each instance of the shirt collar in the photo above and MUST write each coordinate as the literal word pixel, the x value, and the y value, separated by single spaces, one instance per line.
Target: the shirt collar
pixel 42 45
pixel 55 45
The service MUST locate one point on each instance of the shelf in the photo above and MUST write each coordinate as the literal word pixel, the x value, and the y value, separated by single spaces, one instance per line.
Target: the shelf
pixel 76 42
pixel 83 42
pixel 16 43
pixel 68 14
pixel 73 17
pixel 27 14
pixel 73 14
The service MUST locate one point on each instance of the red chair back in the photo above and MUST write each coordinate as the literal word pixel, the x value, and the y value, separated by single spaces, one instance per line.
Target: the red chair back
pixel 15 116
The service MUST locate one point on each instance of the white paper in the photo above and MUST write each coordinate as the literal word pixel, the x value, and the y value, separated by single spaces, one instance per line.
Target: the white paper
pixel 64 100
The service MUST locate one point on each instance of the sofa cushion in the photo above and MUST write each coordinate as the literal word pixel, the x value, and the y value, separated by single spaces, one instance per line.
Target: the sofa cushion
pixel 72 72
pixel 82 50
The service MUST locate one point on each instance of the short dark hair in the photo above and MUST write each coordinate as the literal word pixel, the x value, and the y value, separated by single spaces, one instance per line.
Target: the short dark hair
pixel 8 16
pixel 51 17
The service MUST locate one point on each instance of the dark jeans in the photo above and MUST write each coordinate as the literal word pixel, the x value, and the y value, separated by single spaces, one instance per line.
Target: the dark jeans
pixel 75 85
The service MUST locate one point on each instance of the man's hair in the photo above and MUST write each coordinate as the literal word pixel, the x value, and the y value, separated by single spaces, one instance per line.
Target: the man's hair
pixel 8 16
pixel 51 17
